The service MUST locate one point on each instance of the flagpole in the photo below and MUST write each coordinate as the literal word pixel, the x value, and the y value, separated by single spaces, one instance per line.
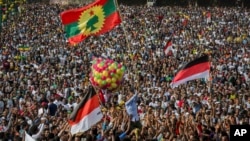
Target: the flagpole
pixel 209 80
pixel 96 91
pixel 123 27
pixel 209 83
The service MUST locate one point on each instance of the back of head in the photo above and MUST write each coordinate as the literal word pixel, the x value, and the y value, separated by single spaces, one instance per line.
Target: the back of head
pixel 126 139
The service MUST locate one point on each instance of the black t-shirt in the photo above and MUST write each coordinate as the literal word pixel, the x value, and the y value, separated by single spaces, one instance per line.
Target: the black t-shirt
pixel 208 132
pixel 52 109
pixel 39 59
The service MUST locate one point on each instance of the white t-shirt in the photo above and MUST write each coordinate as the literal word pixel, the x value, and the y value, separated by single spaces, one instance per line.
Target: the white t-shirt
pixel 154 104
pixel 74 105
pixel 40 111
pixel 164 104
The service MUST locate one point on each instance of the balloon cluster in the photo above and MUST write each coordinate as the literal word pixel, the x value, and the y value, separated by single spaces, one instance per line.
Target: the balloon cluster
pixel 106 74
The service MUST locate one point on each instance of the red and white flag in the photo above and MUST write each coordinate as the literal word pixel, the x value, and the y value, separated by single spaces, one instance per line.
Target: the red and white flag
pixel 87 113
pixel 198 68
pixel 168 47
pixel 208 15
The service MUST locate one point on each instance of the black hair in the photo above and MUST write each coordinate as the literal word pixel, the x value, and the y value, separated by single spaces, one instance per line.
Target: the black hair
pixel 126 139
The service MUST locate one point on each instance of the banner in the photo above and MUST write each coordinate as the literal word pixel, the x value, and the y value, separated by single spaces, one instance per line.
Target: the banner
pixel 131 108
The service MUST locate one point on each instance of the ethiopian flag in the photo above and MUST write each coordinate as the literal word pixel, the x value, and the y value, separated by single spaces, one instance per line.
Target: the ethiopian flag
pixel 94 19
pixel 23 48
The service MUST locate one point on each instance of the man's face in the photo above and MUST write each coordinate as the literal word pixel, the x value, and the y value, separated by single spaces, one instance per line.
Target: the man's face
pixel 46 133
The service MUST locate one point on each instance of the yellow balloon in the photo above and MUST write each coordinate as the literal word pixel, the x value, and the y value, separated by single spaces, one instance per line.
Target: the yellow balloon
pixel 99 81
pixel 113 85
pixel 119 71
pixel 95 79
pixel 113 80
pixel 105 73
pixel 101 84
pixel 99 65
pixel 96 73
pixel 118 76
pixel 108 80
pixel 110 67
pixel 113 65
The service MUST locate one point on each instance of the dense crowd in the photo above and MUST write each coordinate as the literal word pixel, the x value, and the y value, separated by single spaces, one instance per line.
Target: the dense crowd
pixel 41 85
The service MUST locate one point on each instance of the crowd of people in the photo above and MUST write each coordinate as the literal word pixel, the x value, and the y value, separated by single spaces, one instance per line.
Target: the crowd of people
pixel 43 78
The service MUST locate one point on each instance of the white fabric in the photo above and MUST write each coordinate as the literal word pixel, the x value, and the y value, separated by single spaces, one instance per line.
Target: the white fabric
pixel 28 137
pixel 87 122
pixel 204 74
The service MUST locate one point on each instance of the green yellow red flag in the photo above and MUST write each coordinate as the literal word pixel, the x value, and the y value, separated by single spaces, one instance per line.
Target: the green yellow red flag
pixel 24 48
pixel 96 18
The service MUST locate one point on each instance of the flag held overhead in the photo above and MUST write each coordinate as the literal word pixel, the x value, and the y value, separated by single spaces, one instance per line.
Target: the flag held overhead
pixel 96 18
pixel 198 68
pixel 168 47
pixel 87 113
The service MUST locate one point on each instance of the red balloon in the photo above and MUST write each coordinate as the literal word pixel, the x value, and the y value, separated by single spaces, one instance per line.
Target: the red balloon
pixel 102 69
pixel 105 86
pixel 95 66
pixel 104 77
pixel 110 73
pixel 119 65
pixel 105 66
pixel 94 83
pixel 118 82
pixel 108 84
pixel 99 70
pixel 91 79
pixel 110 61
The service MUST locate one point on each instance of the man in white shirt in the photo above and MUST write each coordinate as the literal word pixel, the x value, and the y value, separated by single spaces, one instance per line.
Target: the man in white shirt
pixel 164 103
pixel 154 103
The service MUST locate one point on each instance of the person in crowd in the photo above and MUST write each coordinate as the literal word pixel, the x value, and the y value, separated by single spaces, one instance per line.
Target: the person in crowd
pixel 41 86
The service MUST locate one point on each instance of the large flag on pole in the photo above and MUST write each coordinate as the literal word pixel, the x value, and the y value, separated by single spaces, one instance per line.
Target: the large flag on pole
pixel 198 68
pixel 87 113
pixel 96 18
pixel 131 108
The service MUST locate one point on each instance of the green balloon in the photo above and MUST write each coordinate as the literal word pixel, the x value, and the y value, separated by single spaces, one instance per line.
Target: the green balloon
pixel 123 68
pixel 93 62
pixel 102 64
pixel 104 82
pixel 98 76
